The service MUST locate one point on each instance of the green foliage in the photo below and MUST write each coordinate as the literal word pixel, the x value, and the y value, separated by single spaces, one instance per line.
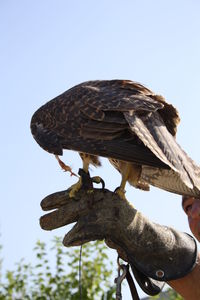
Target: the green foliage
pixel 39 282
pixel 174 296
pixel 169 294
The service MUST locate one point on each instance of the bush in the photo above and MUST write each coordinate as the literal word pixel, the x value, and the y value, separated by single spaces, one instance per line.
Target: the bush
pixel 39 282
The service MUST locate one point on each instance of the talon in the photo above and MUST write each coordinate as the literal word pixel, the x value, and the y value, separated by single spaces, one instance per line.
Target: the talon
pixel 120 192
pixel 65 167
pixel 98 179
pixel 75 188
pixel 85 182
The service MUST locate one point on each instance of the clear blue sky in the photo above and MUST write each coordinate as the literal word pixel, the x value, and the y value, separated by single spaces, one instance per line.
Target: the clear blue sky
pixel 47 47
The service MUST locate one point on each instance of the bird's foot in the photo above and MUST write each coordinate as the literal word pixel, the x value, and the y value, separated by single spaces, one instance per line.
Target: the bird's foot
pixel 120 192
pixel 75 188
pixel 65 167
pixel 85 182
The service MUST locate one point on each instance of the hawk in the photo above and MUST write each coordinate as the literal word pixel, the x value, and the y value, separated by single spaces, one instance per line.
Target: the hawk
pixel 125 122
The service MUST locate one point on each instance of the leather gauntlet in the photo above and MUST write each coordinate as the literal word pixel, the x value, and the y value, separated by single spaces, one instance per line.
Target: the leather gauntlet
pixel 155 252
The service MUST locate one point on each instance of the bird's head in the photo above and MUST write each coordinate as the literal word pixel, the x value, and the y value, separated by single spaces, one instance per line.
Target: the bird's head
pixel 45 135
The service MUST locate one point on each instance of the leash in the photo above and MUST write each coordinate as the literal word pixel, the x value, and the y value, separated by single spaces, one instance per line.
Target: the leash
pixel 131 284
pixel 80 272
pixel 125 274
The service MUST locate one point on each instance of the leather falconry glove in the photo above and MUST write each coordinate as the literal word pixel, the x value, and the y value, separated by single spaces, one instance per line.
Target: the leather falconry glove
pixel 156 253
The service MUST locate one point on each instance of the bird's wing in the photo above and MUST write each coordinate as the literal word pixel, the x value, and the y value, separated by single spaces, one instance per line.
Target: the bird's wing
pixel 114 103
pixel 154 134
pixel 125 95
pixel 116 95
pixel 103 104
pixel 102 127
pixel 168 180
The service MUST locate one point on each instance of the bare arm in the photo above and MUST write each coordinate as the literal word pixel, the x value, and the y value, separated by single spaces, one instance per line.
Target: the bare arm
pixel 188 286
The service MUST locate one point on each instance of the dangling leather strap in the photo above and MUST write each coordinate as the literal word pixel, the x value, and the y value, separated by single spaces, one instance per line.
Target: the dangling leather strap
pixel 131 284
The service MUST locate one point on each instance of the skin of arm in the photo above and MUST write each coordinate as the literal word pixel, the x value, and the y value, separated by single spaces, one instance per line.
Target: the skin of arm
pixel 188 286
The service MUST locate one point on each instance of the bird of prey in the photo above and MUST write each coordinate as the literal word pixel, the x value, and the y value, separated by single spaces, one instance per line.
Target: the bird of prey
pixel 125 122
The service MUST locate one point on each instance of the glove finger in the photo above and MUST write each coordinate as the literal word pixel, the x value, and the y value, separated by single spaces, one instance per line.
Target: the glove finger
pixel 85 230
pixel 68 210
pixel 55 200
pixel 58 218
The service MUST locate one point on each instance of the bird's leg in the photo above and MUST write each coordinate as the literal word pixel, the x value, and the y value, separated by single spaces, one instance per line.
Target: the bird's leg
pixel 125 174
pixel 131 173
pixel 77 186
pixel 86 165
pixel 85 181
pixel 87 159
pixel 65 167
pixel 121 189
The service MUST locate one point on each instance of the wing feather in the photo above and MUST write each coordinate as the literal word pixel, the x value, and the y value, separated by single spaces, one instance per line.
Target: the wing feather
pixel 154 134
pixel 168 180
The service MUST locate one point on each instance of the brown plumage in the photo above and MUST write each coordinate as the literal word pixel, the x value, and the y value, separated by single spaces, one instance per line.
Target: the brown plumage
pixel 125 122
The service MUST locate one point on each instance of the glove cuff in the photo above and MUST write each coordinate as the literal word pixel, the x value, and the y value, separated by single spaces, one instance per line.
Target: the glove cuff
pixel 148 285
pixel 170 263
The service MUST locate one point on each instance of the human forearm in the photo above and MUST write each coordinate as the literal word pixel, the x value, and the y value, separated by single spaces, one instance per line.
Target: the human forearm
pixel 188 286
